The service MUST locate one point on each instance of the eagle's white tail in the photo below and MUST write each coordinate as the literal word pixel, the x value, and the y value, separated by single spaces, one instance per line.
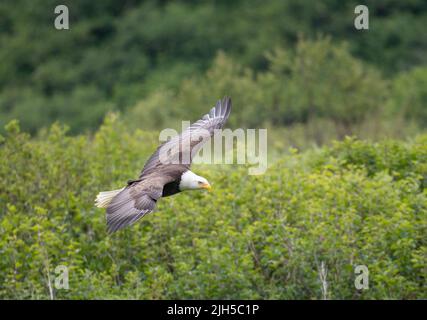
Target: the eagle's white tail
pixel 104 198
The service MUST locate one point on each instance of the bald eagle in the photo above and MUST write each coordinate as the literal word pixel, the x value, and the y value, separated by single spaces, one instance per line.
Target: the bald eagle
pixel 165 173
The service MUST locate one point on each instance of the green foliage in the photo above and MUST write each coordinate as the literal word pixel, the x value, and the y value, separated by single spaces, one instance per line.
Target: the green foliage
pixel 334 84
pixel 317 80
pixel 356 203
pixel 410 95
pixel 118 52
pixel 398 160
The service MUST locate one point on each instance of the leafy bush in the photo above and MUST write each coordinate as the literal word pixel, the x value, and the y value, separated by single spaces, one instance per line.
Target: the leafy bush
pixel 409 96
pixel 267 236
pixel 398 160
pixel 316 80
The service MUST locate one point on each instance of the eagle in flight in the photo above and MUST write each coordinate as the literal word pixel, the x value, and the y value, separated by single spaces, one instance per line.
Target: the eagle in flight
pixel 166 172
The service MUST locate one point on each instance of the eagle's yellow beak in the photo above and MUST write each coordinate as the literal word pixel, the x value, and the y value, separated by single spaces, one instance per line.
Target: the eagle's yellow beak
pixel 206 186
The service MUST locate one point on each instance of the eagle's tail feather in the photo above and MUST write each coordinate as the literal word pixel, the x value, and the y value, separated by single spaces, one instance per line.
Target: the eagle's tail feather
pixel 103 199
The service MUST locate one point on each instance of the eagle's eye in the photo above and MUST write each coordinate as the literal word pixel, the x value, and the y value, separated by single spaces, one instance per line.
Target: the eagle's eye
pixel 200 183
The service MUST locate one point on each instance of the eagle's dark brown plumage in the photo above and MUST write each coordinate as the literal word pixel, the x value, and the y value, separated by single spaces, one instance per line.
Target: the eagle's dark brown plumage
pixel 161 175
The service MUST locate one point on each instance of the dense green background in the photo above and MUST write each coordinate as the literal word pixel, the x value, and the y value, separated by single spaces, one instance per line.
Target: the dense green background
pixel 127 69
pixel 118 53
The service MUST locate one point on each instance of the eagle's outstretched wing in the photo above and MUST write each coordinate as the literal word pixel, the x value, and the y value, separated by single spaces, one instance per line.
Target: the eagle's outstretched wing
pixel 135 201
pixel 182 148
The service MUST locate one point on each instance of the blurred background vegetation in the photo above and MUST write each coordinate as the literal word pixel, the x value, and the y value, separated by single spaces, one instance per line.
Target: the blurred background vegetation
pixel 284 62
pixel 127 69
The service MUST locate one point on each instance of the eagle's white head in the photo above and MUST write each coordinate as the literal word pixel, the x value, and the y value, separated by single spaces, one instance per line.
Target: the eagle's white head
pixel 191 181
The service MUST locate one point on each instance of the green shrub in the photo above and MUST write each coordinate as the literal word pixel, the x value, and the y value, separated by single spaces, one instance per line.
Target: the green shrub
pixel 316 80
pixel 409 96
pixel 399 160
pixel 267 236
